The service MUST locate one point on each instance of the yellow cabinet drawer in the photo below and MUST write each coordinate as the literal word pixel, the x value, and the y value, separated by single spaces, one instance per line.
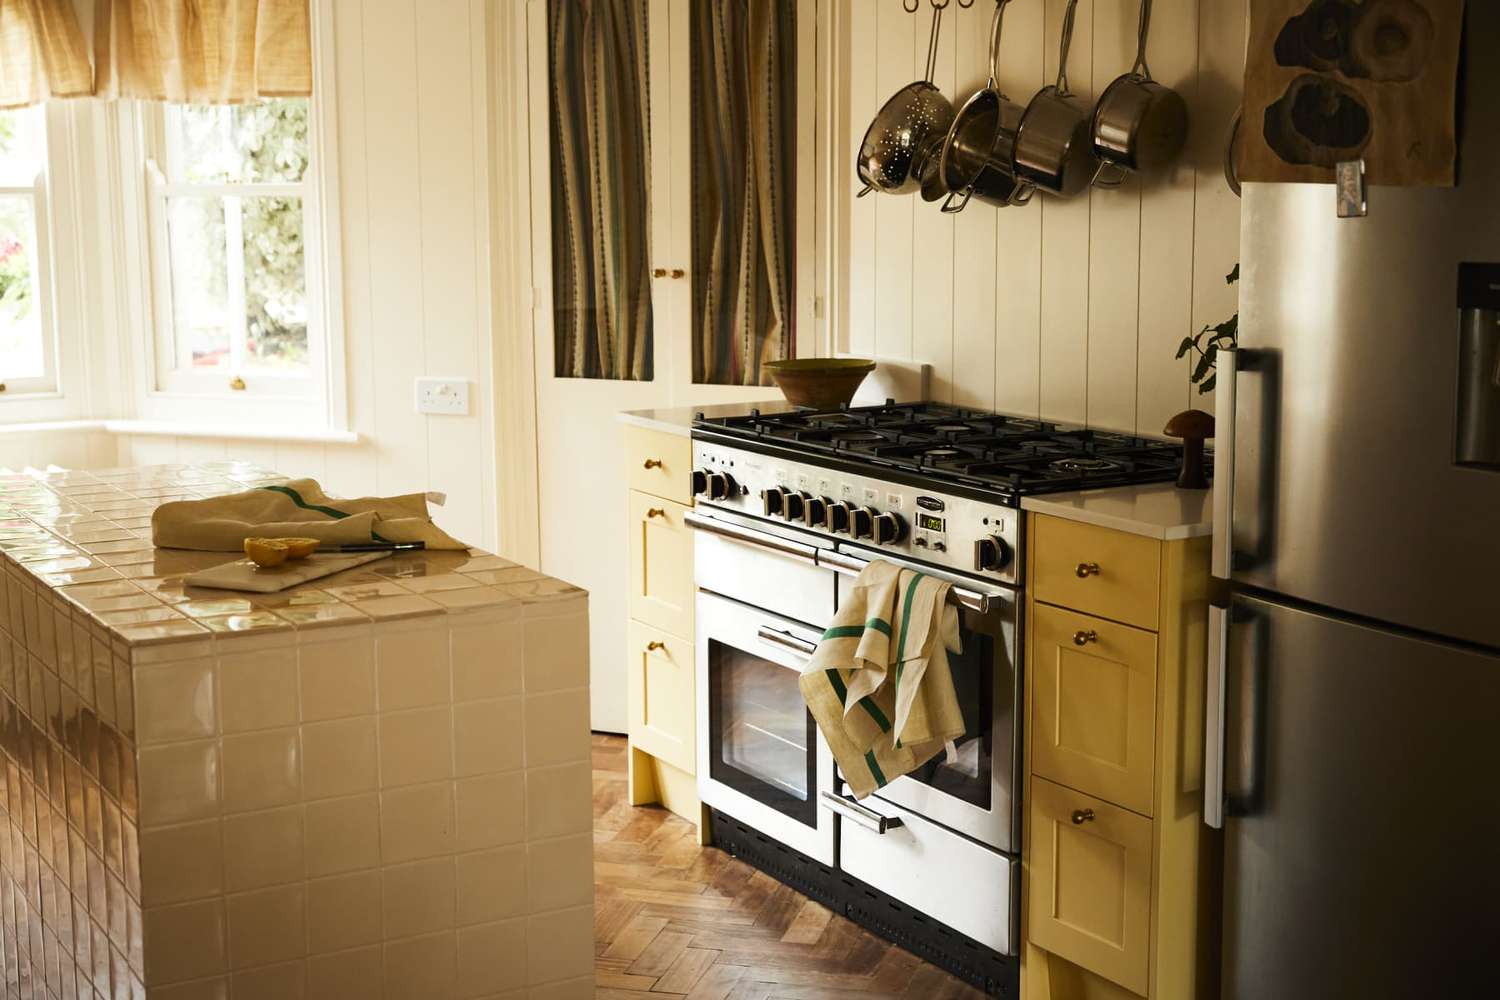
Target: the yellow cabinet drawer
pixel 1093 705
pixel 662 722
pixel 659 463
pixel 1089 893
pixel 661 564
pixel 1112 574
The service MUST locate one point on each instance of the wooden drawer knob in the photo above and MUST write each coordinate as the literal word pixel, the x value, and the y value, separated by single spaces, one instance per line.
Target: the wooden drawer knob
pixel 652 463
pixel 654 645
pixel 656 512
pixel 1086 570
pixel 1082 816
pixel 1083 638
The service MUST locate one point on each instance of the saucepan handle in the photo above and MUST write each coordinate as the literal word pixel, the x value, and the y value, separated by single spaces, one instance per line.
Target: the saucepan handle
pixel 1118 176
pixel 952 209
pixel 865 190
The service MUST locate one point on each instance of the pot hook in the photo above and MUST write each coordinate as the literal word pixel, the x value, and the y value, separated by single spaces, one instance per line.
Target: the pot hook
pixel 1061 86
pixel 1140 69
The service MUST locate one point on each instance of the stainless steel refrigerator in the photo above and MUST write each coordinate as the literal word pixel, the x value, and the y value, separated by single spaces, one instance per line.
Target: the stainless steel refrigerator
pixel 1354 673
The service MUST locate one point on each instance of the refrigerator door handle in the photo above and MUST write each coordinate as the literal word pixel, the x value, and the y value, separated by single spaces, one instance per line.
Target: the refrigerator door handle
pixel 1224 445
pixel 1213 742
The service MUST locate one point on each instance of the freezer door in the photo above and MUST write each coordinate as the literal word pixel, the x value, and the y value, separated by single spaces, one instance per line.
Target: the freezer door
pixel 1349 487
pixel 1362 811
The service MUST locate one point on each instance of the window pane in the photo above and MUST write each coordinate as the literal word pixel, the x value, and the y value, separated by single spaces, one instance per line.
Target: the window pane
pixel 23 147
pixel 264 142
pixel 22 157
pixel 239 283
pixel 744 159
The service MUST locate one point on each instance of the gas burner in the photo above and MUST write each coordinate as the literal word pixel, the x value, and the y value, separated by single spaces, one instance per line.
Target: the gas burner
pixel 1085 465
pixel 939 453
pixel 859 437
pixel 949 428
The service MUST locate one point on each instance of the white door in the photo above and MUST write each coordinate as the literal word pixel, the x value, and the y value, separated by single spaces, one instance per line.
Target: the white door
pixel 580 475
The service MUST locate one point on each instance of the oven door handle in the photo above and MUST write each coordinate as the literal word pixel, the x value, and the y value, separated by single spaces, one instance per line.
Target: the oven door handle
pixel 848 565
pixel 862 815
pixel 786 640
pixel 764 540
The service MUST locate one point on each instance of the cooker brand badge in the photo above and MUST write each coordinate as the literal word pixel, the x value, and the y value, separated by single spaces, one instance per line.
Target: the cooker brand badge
pixel 931 503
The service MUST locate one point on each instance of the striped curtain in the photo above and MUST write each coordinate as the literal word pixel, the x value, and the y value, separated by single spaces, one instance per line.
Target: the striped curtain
pixel 744 96
pixel 601 191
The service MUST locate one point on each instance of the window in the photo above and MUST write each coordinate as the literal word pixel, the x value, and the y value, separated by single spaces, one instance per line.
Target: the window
pixel 28 355
pixel 234 228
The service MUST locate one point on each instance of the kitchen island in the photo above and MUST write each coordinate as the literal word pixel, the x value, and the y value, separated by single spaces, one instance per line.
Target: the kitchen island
pixel 375 783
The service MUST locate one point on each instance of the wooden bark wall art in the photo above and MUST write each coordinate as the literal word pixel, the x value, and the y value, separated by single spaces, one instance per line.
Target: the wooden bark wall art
pixel 1333 80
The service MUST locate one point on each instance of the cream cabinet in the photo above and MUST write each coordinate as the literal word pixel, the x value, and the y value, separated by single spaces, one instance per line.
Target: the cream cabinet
pixel 659 647
pixel 1119 873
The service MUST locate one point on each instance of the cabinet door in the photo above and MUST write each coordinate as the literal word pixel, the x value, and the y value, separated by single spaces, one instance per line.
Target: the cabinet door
pixel 1112 574
pixel 1093 705
pixel 662 716
pixel 659 464
pixel 661 564
pixel 1089 897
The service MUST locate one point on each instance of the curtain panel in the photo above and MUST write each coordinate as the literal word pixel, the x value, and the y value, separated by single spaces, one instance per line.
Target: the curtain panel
pixel 203 51
pixel 42 53
pixel 744 151
pixel 601 189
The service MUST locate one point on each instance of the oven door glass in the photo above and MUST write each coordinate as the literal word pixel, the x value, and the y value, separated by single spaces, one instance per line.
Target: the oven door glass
pixel 968 775
pixel 761 736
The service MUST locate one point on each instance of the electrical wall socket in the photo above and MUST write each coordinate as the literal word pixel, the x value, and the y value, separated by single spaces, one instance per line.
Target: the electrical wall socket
pixel 448 396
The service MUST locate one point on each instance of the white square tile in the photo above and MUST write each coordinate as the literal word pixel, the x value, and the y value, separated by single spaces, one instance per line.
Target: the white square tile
pixel 416 746
pixel 266 926
pixel 491 885
pixel 559 800
pixel 419 898
pixel 557 728
pixel 487 660
pixel 341 835
pixel 488 736
pixel 557 653
pixel 416 822
pixel 343 912
pixel 287 981
pixel 411 666
pixel 337 675
pixel 258 690
pixel 184 942
pixel 491 811
pixel 491 958
pixel 175 701
pixel 420 968
pixel 261 770
pixel 263 848
pixel 560 873
pixel 179 782
pixel 339 757
pixel 347 975
pixel 560 945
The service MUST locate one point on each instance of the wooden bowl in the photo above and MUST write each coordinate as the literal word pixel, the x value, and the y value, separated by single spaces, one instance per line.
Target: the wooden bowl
pixel 820 383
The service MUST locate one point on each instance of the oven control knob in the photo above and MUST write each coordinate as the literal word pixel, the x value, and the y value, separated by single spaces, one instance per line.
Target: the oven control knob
pixel 862 522
pixel 838 515
pixel 815 512
pixel 991 553
pixel 721 486
pixel 889 528
pixel 793 502
pixel 700 482
pixel 773 497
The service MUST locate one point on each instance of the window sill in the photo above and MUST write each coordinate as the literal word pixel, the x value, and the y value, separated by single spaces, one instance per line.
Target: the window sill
pixel 167 428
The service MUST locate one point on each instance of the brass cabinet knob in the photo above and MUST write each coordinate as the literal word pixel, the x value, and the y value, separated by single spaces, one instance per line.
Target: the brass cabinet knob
pixel 652 463
pixel 237 384
pixel 678 272
pixel 1083 638
pixel 654 645
pixel 656 512
pixel 658 272
pixel 1086 570
pixel 1082 816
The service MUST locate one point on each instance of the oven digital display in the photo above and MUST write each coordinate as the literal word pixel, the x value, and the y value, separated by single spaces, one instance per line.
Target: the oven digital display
pixel 929 523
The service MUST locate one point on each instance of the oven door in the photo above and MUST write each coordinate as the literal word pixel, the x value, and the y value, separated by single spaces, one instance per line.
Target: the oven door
pixel 975 792
pixel 760 756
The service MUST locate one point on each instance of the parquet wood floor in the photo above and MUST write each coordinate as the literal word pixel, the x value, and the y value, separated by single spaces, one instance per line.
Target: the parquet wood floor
pixel 672 919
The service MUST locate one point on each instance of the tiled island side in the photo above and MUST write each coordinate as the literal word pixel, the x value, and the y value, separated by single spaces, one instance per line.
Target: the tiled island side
pixel 376 784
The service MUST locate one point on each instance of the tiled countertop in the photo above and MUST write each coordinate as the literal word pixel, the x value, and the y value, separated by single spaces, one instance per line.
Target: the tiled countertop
pixel 1156 510
pixel 87 537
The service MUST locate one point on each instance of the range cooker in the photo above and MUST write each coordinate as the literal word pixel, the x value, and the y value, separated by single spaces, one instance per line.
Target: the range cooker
pixel 790 507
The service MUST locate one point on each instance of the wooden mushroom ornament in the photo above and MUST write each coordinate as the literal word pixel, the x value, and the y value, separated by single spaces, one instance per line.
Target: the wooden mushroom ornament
pixel 1193 427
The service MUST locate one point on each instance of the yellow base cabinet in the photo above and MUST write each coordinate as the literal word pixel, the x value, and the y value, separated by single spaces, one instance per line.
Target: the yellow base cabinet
pixel 1119 874
pixel 659 636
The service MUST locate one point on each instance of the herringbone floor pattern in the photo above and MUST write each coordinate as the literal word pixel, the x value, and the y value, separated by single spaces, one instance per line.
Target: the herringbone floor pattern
pixel 672 919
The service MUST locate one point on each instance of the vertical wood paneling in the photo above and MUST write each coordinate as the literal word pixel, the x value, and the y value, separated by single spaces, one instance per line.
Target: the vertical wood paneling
pixel 1018 237
pixel 1114 247
pixel 1166 290
pixel 896 66
pixel 973 263
pixel 1071 310
pixel 932 232
pixel 1065 248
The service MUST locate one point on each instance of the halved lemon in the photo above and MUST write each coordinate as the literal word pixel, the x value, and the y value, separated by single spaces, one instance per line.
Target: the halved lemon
pixel 266 552
pixel 300 548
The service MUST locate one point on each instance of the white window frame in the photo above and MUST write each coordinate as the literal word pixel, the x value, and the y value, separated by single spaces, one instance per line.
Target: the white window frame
pixel 48 385
pixel 316 400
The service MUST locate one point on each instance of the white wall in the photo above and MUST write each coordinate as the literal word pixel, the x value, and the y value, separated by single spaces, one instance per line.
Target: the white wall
pixel 1071 310
pixel 413 187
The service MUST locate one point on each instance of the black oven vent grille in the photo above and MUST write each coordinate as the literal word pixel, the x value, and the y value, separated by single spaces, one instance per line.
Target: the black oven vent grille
pixel 984 968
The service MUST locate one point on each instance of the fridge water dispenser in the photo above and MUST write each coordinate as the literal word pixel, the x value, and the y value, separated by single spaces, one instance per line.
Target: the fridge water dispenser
pixel 1478 435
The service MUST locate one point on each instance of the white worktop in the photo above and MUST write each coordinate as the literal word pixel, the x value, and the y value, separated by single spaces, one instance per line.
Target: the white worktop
pixel 679 419
pixel 1156 510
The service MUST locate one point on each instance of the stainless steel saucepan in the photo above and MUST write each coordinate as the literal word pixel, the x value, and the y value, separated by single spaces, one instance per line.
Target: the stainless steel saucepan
pixel 1054 149
pixel 980 146
pixel 904 129
pixel 1139 124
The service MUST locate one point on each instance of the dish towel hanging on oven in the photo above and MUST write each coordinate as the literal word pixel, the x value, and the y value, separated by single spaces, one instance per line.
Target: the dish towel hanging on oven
pixel 879 686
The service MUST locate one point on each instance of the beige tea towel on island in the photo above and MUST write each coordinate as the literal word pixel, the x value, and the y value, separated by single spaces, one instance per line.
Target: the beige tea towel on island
pixel 879 686
pixel 296 508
